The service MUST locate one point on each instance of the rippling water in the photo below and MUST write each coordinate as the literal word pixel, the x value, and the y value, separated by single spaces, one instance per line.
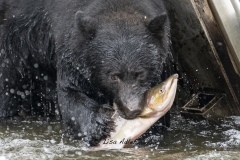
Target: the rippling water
pixel 185 139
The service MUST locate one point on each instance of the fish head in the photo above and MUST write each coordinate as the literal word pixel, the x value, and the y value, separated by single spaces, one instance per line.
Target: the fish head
pixel 160 97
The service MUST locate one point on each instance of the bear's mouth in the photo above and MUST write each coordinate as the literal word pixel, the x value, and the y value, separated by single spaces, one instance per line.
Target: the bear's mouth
pixel 122 113
pixel 130 109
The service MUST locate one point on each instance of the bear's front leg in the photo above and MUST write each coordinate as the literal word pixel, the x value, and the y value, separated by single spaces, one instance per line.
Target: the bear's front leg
pixel 82 118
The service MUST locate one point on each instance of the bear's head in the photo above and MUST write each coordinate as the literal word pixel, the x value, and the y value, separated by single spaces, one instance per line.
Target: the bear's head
pixel 125 55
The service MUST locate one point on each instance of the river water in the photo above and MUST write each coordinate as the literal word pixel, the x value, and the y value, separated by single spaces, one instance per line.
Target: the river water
pixel 185 139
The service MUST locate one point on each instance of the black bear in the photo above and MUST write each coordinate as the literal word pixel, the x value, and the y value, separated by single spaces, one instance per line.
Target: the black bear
pixel 82 56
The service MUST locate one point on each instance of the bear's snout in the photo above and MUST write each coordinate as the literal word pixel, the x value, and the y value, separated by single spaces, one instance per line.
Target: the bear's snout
pixel 130 103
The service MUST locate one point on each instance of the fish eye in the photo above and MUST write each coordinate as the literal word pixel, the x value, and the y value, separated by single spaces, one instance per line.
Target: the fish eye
pixel 161 90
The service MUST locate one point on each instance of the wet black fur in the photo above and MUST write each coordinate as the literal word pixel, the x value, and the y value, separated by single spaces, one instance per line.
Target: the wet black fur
pixel 93 53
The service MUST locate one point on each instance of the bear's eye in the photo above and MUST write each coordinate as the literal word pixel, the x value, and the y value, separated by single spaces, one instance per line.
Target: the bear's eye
pixel 114 78
pixel 140 75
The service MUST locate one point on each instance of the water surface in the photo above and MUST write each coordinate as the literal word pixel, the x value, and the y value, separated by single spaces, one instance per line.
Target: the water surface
pixel 185 139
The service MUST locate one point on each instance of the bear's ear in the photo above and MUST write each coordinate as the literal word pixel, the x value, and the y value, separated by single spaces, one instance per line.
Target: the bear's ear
pixel 157 25
pixel 85 24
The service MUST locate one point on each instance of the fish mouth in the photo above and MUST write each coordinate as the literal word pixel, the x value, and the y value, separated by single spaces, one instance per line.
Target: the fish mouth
pixel 170 83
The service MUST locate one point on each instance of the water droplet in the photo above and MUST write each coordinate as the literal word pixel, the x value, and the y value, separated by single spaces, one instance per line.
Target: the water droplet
pixel 2 51
pixel 24 86
pixel 27 92
pixel 36 65
pixel 45 78
pixel 11 90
